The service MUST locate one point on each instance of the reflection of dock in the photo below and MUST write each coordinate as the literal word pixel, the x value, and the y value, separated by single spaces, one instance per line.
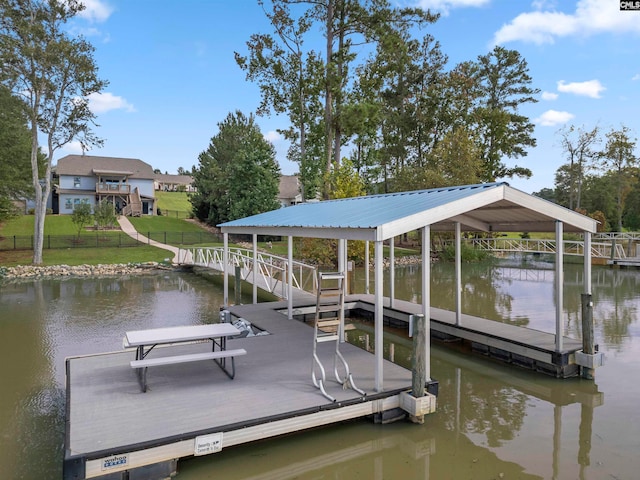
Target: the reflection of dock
pixel 113 427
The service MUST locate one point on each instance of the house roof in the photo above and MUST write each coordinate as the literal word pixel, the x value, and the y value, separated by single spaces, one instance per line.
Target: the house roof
pixel 178 179
pixel 88 165
pixel 289 187
pixel 485 207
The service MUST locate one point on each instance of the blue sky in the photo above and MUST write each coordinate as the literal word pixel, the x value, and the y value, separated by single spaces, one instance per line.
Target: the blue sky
pixel 172 75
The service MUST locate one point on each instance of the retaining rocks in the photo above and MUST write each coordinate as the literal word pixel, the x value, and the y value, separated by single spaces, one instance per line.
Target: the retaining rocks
pixel 35 271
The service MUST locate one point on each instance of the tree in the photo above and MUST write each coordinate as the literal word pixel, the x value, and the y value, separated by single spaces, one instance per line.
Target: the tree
pixel 581 154
pixel 15 150
pixel 502 77
pixel 104 214
pixel 293 79
pixel 618 157
pixel 238 174
pixel 81 216
pixel 54 73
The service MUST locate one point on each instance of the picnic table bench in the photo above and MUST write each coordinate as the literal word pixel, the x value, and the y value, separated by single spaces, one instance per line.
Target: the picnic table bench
pixel 146 340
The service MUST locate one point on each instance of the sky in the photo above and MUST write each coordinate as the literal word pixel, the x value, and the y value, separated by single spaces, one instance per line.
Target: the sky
pixel 173 78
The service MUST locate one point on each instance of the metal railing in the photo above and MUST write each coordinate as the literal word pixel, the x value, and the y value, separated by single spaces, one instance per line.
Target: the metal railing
pixel 272 271
pixel 525 245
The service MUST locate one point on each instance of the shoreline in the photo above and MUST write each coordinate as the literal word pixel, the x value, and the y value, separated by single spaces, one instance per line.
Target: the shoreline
pixel 60 271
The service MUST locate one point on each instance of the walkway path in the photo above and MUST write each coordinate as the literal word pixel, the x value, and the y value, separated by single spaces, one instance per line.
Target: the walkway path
pixel 130 230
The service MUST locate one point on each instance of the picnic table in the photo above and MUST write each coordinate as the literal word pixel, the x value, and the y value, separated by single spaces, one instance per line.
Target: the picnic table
pixel 146 340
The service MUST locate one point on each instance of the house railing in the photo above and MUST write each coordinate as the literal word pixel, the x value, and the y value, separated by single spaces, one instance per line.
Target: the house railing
pixel 113 188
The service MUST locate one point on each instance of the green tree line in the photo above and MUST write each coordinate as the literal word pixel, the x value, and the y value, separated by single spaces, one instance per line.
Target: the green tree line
pixel 601 176
pixel 376 87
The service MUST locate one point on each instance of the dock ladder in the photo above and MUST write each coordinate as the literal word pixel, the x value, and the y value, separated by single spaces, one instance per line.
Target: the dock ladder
pixel 329 327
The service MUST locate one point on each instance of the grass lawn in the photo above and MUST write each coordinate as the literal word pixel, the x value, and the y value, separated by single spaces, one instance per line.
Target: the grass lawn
pixel 171 202
pixel 53 225
pixel 163 224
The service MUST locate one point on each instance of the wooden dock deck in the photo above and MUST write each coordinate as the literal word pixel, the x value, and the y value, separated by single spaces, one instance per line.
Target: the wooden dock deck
pixel 112 427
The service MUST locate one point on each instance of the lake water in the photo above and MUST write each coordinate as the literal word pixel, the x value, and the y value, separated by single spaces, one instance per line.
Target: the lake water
pixel 492 422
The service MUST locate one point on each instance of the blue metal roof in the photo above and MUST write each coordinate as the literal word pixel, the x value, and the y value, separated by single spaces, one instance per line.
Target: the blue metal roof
pixel 374 212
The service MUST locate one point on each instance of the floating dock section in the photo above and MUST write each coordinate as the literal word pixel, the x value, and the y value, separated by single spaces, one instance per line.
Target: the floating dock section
pixel 115 432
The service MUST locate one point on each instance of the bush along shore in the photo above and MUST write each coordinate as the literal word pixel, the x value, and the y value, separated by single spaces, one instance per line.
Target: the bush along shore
pixel 37 271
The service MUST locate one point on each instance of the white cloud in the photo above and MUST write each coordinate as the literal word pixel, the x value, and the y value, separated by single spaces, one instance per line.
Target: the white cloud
pixel 104 102
pixel 590 17
pixel 549 96
pixel 551 118
pixel 73 147
pixel 272 136
pixel 636 77
pixel 444 6
pixel 591 88
pixel 96 10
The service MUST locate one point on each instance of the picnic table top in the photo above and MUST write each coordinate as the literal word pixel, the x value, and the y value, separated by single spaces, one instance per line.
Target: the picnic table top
pixel 180 334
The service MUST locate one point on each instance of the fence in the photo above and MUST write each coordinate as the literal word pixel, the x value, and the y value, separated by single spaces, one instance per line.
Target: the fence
pixel 163 212
pixel 107 239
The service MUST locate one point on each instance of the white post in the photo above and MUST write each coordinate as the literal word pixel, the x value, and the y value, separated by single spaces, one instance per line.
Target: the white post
pixel 378 315
pixel 559 286
pixel 458 279
pixel 426 297
pixel 587 263
pixel 255 268
pixel 225 274
pixel 366 267
pixel 392 271
pixel 342 268
pixel 290 277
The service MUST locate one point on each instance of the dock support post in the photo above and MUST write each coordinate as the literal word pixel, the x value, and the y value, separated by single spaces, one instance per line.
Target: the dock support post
pixel 392 272
pixel 366 267
pixel 588 343
pixel 426 296
pixel 289 277
pixel 378 315
pixel 559 286
pixel 255 268
pixel 225 271
pixel 418 378
pixel 458 279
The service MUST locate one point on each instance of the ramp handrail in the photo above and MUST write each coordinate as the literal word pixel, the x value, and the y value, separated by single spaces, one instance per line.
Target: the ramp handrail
pixel 272 270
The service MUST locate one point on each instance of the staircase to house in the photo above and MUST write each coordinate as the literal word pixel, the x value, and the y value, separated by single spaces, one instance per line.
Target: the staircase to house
pixel 134 207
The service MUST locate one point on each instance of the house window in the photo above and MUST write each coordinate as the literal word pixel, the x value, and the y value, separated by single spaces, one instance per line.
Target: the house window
pixel 67 204
pixel 76 182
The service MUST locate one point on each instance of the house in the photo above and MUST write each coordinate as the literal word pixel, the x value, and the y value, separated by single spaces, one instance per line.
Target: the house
pixel 128 183
pixel 173 183
pixel 289 190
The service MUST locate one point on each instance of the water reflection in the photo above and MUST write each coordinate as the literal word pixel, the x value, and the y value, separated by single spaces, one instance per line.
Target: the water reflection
pixel 493 421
